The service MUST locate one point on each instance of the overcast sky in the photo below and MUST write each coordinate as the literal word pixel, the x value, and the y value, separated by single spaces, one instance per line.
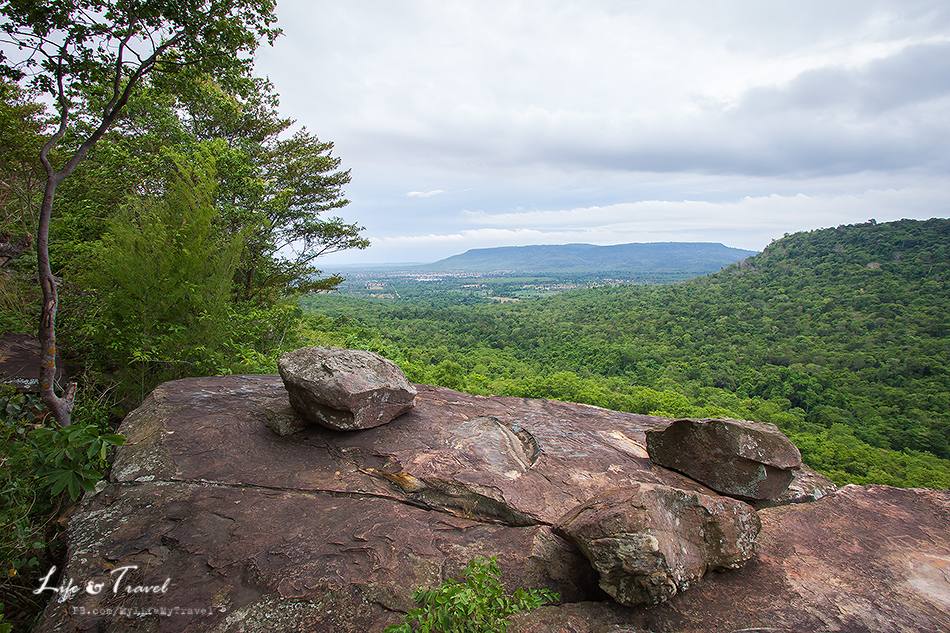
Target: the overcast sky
pixel 484 123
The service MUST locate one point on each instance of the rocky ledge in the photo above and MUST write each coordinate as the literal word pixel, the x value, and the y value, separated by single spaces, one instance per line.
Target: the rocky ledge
pixel 322 530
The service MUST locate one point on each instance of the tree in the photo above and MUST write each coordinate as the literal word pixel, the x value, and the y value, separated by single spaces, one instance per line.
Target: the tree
pixel 89 56
pixel 276 184
pixel 159 282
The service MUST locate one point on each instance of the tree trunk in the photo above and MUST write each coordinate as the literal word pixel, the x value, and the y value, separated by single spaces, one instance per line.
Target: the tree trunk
pixel 61 407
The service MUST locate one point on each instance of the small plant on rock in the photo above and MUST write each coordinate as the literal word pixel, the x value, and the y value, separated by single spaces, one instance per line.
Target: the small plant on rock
pixel 477 604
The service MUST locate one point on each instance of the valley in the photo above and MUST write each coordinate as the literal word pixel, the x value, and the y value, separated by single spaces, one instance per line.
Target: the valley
pixel 838 336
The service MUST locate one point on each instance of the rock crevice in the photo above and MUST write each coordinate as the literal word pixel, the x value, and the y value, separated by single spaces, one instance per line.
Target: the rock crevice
pixel 279 524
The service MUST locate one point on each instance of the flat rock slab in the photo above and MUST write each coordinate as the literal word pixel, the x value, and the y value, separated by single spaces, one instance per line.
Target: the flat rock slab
pixel 863 559
pixel 330 531
pixel 262 560
pixel 345 389
pixel 511 460
pixel 748 460
pixel 648 542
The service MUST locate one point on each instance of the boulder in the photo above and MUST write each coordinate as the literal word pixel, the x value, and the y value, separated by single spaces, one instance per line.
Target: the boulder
pixel 747 460
pixel 345 389
pixel 647 542
pixel 864 558
pixel 806 486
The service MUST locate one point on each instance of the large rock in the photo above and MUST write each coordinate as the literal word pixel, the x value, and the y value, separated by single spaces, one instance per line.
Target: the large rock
pixel 345 389
pixel 511 460
pixel 863 559
pixel 262 560
pixel 748 460
pixel 647 542
pixel 806 486
pixel 330 531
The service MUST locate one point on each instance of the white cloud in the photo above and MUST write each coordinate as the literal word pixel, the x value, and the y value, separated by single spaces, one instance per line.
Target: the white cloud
pixel 564 117
pixel 678 215
pixel 424 194
pixel 750 222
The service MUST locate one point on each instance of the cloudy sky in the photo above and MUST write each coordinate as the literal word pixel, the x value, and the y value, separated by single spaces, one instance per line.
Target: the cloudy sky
pixel 489 123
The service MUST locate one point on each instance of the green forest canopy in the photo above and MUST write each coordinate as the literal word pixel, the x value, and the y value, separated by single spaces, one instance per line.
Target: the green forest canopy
pixel 838 336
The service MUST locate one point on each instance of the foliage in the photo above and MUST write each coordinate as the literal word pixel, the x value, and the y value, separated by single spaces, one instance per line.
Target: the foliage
pixel 80 45
pixel 88 57
pixel 838 336
pixel 42 467
pixel 275 184
pixel 477 604
pixel 158 284
pixel 71 459
pixel 182 177
pixel 20 180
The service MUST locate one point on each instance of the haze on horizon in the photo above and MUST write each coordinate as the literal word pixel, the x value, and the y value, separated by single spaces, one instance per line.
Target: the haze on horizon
pixel 479 124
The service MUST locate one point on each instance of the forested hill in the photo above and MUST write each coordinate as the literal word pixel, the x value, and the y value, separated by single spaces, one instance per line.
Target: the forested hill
pixel 687 258
pixel 839 336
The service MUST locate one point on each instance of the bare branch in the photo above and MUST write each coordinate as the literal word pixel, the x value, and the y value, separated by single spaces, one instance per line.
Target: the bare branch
pixel 117 80
pixel 110 116
pixel 63 121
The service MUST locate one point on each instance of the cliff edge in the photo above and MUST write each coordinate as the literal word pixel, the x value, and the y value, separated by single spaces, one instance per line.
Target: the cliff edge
pixel 322 530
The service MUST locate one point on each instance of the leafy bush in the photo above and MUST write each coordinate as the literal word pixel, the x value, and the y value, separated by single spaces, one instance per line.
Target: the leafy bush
pixel 71 459
pixel 41 468
pixel 477 604
pixel 5 627
pixel 158 286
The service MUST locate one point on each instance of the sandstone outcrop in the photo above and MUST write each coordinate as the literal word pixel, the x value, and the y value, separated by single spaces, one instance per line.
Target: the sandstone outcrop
pixel 345 389
pixel 863 559
pixel 647 542
pixel 327 531
pixel 748 460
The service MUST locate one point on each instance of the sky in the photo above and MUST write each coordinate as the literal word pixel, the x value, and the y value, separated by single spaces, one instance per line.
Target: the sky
pixel 496 123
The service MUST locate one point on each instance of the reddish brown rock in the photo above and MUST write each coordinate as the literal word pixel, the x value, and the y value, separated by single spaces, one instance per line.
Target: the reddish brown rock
pixel 345 389
pixel 20 357
pixel 283 420
pixel 748 460
pixel 512 460
pixel 330 531
pixel 806 486
pixel 863 559
pixel 283 560
pixel 647 542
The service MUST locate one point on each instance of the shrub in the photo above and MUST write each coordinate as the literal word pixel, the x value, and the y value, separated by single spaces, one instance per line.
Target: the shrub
pixel 157 287
pixel 477 604
pixel 41 468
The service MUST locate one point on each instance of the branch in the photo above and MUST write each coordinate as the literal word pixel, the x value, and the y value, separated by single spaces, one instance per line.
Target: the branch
pixel 63 120
pixel 117 80
pixel 110 115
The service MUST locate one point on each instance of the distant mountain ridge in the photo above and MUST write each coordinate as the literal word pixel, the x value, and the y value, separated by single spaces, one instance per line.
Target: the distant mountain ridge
pixel 688 258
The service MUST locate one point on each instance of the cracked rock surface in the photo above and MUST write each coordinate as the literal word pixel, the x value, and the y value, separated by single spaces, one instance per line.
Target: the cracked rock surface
pixel 327 531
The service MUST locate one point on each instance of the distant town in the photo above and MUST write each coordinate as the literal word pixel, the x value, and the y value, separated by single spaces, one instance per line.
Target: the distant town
pixel 487 287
